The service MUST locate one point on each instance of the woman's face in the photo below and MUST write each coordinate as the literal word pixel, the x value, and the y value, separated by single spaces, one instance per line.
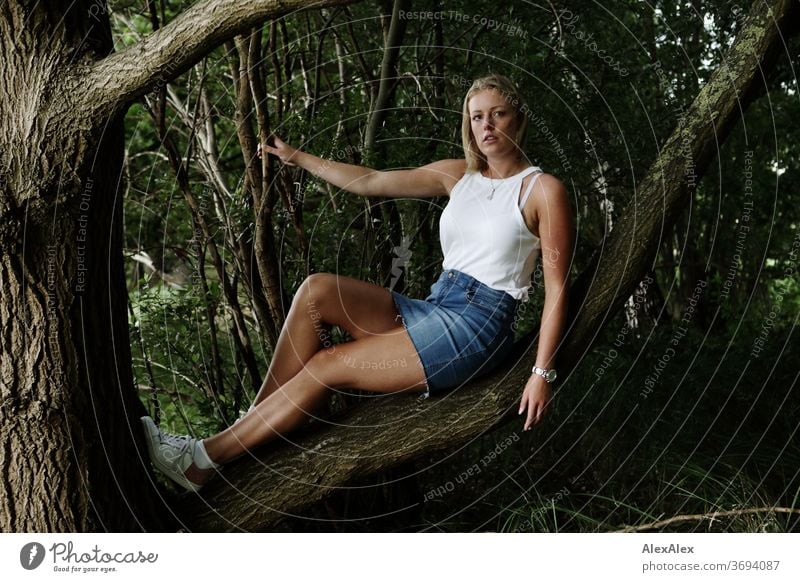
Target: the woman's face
pixel 493 123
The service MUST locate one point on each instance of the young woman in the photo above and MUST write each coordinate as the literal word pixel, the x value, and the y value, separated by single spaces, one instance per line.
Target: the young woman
pixel 502 214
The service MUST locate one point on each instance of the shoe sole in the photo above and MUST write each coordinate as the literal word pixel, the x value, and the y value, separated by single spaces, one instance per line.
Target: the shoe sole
pixel 151 433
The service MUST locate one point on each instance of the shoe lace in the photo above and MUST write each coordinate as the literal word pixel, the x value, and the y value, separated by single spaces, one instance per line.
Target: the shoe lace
pixel 177 446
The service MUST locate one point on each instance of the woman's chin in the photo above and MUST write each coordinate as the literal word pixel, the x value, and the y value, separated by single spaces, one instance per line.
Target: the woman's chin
pixel 494 150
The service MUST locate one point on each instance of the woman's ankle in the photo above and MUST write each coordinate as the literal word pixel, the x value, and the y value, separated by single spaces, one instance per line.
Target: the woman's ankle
pixel 201 458
pixel 198 476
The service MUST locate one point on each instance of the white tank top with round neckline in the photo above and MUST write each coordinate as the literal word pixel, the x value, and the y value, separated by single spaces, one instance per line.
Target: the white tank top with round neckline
pixel 484 234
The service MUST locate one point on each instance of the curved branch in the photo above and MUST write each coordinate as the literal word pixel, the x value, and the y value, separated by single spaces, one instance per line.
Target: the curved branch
pixel 281 479
pixel 168 52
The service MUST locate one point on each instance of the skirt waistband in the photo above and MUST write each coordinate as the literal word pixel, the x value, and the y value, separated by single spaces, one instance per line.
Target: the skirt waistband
pixel 470 283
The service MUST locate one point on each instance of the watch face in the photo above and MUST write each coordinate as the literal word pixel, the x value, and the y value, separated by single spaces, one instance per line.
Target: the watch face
pixel 551 375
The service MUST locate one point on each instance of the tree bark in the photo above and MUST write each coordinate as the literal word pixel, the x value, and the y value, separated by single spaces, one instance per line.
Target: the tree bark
pixel 381 239
pixel 388 78
pixel 71 450
pixel 264 202
pixel 66 392
pixel 258 492
pixel 251 187
pixel 285 478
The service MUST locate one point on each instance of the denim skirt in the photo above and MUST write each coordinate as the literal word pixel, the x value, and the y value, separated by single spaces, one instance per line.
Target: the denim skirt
pixel 461 331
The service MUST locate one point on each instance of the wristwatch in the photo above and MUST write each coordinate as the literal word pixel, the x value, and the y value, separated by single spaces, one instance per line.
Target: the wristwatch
pixel 548 375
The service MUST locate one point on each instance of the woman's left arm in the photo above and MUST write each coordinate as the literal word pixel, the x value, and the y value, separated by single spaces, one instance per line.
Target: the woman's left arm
pixel 553 213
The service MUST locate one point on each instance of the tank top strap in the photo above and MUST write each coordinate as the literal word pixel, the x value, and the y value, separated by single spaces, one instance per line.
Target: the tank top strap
pixel 528 171
pixel 533 169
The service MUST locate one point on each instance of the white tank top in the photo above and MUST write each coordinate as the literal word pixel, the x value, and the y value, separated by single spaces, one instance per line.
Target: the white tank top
pixel 485 235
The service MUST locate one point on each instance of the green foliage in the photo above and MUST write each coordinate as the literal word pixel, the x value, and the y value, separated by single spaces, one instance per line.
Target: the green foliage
pixel 170 323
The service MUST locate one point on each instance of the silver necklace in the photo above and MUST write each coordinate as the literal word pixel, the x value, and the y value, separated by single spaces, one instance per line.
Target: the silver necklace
pixel 491 194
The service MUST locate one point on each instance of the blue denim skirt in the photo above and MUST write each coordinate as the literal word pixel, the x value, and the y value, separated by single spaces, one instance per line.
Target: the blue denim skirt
pixel 461 331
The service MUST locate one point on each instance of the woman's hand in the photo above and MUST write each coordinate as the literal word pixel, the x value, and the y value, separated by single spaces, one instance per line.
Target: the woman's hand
pixel 535 399
pixel 280 149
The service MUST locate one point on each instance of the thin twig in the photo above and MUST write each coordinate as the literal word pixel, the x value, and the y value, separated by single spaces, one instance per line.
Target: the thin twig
pixel 713 515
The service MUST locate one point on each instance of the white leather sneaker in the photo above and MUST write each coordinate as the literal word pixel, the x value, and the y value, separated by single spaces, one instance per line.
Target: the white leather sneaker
pixel 171 455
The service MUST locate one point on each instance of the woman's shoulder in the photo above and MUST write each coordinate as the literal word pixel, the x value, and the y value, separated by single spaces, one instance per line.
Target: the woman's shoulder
pixel 546 189
pixel 548 184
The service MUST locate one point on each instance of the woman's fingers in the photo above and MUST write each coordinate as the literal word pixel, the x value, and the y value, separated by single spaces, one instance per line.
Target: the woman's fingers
pixel 277 148
pixel 532 408
pixel 522 406
pixel 273 142
pixel 527 405
pixel 536 412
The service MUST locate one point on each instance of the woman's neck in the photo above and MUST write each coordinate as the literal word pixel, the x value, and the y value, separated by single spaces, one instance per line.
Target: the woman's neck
pixel 503 168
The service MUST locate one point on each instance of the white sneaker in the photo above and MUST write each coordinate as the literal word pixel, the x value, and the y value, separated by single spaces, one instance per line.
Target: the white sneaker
pixel 171 455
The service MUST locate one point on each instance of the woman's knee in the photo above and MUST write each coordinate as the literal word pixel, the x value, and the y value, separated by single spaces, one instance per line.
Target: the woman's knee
pixel 313 290
pixel 357 307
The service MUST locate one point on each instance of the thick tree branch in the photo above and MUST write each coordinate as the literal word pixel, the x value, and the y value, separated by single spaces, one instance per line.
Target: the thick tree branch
pixel 283 478
pixel 166 53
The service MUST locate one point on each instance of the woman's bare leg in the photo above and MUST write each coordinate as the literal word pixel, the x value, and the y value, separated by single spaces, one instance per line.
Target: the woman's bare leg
pixel 305 369
pixel 361 308
pixel 383 363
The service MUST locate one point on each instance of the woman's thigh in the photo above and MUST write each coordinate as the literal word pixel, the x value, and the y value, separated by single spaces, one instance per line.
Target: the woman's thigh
pixel 387 362
pixel 360 308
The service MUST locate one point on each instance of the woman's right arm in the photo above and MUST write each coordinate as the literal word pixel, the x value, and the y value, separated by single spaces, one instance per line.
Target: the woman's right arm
pixel 431 180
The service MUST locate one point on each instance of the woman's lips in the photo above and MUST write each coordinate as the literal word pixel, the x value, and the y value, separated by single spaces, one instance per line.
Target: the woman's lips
pixel 489 139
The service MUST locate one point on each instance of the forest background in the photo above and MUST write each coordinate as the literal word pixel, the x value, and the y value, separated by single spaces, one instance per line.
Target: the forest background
pixel 677 413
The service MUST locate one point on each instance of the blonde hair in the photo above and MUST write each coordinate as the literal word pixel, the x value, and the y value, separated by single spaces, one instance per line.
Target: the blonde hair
pixel 476 161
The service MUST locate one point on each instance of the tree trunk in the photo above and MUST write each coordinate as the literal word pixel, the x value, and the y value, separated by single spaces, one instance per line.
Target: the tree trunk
pixel 258 491
pixel 71 450
pixel 68 460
